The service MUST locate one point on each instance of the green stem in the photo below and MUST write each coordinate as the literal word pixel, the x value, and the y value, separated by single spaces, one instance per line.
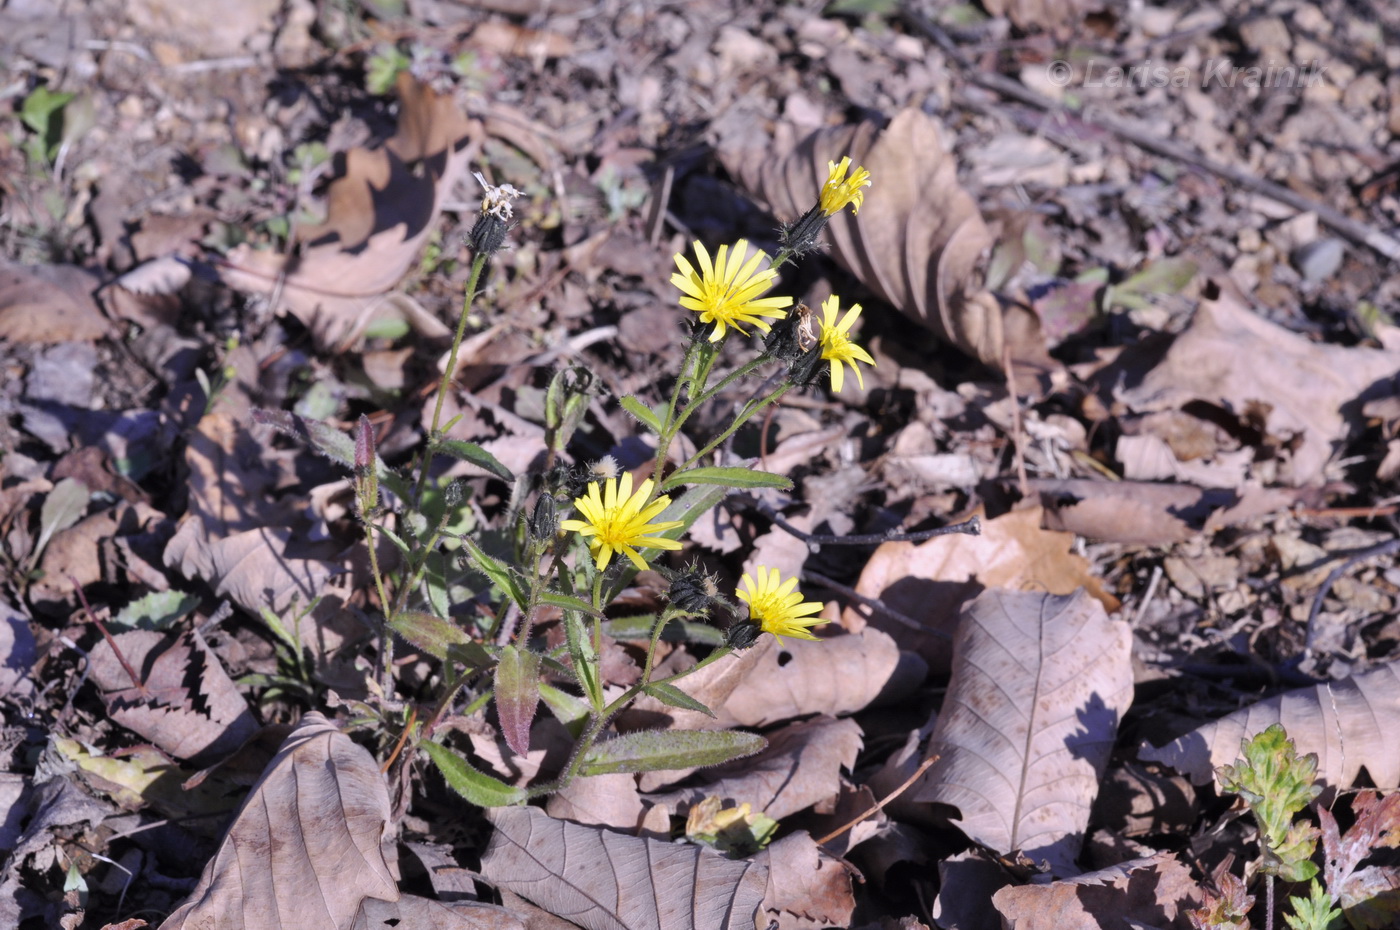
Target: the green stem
pixel 478 263
pixel 386 646
pixel 743 417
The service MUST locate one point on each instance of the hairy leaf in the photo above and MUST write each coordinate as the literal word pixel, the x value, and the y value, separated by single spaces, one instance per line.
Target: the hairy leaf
pixel 653 750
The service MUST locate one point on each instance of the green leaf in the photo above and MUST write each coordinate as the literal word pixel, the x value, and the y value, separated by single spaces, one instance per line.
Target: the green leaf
pixel 517 695
pixel 675 697
pixel 652 750
pixel 638 628
pixel 471 452
pixel 335 445
pixel 689 506
pixel 729 478
pixel 565 402
pixel 1164 276
pixel 580 645
pixel 1315 912
pixel 644 414
pixel 497 571
pixel 472 654
pixel 566 602
pixel 477 787
pixel 158 610
pixel 433 635
pixel 569 710
pixel 63 507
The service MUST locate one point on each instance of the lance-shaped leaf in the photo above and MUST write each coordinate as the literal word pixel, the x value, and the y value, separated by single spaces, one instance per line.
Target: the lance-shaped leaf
pixel 433 635
pixel 602 880
pixel 1039 684
pixel 655 750
pixel 473 454
pixel 477 787
pixel 728 478
pixel 648 417
pixel 584 656
pixel 497 571
pixel 330 442
pixel 517 695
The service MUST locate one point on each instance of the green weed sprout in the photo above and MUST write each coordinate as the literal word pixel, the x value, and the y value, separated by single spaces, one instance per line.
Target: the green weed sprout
pixel 590 530
pixel 1276 783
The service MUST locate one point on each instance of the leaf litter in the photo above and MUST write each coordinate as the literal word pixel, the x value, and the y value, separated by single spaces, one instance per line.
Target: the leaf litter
pixel 1162 380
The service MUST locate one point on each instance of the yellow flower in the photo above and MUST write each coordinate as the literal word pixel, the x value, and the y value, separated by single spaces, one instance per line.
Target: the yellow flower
pixel 840 190
pixel 726 292
pixel 617 521
pixel 776 607
pixel 837 347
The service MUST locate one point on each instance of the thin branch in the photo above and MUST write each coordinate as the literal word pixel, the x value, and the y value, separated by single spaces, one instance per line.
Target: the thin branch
pixel 971 527
pixel 923 767
pixel 1146 140
pixel 874 604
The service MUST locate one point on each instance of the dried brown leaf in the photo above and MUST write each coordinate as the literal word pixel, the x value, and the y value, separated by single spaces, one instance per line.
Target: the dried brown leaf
pixel 1369 897
pixel 1152 892
pixel 411 912
pixel 602 880
pixel 378 214
pixel 930 581
pixel 807 888
pixel 919 239
pixel 1039 684
pixel 600 800
pixel 251 567
pixel 49 304
pixel 304 851
pixel 835 676
pixel 1151 514
pixel 800 767
pixel 185 702
pixel 1303 415
pixel 1346 722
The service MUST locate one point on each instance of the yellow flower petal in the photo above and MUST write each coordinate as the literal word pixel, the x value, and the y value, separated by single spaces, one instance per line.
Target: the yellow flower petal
pixel 616 519
pixel 775 606
pixel 727 292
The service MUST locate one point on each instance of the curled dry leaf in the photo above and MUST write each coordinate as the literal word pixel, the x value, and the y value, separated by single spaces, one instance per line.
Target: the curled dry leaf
pixel 304 850
pixel 602 880
pixel 800 767
pixel 1346 722
pixel 1143 892
pixel 1039 684
pixel 919 240
pixel 185 702
pixel 1301 416
pixel 378 214
pixel 929 582
pixel 807 888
